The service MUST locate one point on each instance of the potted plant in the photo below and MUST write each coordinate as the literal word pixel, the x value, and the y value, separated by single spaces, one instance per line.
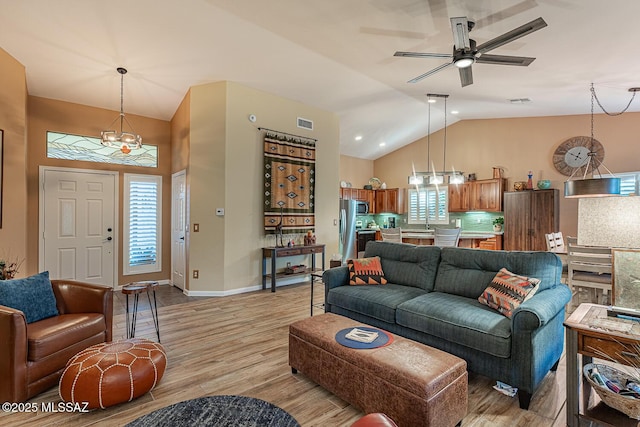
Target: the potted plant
pixel 497 223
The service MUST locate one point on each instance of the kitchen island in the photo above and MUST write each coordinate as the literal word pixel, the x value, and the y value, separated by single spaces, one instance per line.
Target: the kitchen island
pixel 468 239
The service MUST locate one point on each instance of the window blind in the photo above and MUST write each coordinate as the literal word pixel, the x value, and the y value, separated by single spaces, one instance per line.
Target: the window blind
pixel 142 223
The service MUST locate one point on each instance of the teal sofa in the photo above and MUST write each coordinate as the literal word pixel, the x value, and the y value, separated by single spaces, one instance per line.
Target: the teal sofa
pixel 432 297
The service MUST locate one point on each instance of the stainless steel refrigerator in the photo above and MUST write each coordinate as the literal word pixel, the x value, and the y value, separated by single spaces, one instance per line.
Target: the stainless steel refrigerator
pixel 347 229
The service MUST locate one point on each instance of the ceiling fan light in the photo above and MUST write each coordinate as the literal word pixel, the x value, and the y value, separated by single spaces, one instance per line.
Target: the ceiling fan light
pixel 464 62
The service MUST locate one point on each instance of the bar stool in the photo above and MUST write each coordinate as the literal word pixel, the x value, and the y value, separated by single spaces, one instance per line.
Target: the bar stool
pixel 135 289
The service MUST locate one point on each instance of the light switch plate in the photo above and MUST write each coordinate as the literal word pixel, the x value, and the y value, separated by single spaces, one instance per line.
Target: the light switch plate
pixel 220 211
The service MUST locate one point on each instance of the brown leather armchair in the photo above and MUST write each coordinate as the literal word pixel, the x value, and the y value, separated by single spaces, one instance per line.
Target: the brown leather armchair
pixel 33 356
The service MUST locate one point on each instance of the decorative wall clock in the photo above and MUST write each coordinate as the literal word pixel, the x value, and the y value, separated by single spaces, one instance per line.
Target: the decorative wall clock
pixel 574 153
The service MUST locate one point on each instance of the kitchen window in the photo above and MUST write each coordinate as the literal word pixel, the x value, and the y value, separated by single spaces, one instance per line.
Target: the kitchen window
pixel 428 205
pixel 629 183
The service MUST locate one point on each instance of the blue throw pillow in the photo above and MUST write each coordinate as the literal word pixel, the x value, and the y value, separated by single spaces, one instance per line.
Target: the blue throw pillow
pixel 32 295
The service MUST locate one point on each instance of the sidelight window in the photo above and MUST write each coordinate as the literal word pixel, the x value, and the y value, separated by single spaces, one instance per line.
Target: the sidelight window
pixel 142 218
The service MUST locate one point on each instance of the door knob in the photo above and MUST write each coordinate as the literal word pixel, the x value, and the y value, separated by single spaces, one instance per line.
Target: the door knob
pixel 182 238
pixel 109 238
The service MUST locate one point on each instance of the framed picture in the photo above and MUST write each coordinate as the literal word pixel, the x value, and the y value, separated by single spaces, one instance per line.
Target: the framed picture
pixel 625 279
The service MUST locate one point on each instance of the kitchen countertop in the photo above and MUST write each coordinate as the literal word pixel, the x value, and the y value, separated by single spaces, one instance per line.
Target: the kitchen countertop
pixel 428 234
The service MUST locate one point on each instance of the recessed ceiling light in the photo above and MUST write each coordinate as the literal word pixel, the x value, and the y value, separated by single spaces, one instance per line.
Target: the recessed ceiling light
pixel 358 138
pixel 382 144
pixel 454 111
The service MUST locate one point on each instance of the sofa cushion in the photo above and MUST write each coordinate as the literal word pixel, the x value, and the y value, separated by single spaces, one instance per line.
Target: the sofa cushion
pixel 366 271
pixel 507 291
pixel 53 334
pixel 467 272
pixel 32 295
pixel 379 302
pixel 458 319
pixel 405 264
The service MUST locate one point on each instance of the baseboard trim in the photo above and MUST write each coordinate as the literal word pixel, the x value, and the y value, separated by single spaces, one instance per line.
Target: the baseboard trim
pixel 280 283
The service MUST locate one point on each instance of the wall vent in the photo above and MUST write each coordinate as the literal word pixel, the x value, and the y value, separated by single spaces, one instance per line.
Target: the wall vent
pixel 305 123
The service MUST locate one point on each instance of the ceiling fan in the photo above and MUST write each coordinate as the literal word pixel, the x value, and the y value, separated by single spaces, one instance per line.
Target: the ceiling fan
pixel 465 51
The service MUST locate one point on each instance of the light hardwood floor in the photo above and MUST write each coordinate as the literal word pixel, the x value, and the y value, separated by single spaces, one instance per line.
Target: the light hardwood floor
pixel 239 344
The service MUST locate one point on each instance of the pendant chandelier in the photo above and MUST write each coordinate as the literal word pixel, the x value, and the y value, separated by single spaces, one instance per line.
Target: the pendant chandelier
pixel 126 140
pixel 596 185
pixel 433 176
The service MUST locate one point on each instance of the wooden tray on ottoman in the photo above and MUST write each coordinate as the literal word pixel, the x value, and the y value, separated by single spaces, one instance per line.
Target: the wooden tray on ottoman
pixel 414 384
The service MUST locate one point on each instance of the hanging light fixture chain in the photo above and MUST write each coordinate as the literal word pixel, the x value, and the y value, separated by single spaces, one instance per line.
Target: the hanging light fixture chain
pixel 593 95
pixel 429 137
pixel 121 97
pixel 444 148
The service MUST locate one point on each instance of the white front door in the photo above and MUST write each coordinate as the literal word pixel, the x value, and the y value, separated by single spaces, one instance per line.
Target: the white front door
pixel 178 228
pixel 78 224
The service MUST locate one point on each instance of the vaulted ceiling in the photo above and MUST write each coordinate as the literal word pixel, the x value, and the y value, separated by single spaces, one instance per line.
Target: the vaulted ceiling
pixel 333 54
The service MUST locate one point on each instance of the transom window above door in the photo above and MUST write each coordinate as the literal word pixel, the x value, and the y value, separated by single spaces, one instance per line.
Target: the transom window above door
pixel 76 147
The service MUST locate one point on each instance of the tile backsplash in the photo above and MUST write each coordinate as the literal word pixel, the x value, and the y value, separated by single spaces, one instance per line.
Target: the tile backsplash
pixel 470 221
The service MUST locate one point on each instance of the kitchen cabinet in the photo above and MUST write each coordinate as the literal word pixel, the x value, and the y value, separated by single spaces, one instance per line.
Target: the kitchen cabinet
pixel 493 243
pixel 482 195
pixel 528 216
pixel 390 200
pixel 459 197
pixel 486 195
pixel 361 195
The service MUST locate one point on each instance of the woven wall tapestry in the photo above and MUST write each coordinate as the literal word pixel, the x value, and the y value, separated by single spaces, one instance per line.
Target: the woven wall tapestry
pixel 289 180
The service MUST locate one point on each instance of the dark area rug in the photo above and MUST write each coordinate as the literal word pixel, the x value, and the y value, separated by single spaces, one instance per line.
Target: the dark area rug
pixel 223 411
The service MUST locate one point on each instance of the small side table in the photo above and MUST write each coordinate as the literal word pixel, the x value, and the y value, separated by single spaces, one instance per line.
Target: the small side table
pixel 135 289
pixel 588 336
pixel 315 275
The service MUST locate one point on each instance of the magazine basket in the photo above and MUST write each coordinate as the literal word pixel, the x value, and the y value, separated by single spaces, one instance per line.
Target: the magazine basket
pixel 628 405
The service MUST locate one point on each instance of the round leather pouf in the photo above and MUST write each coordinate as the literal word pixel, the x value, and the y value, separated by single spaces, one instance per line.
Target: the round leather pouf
pixel 110 373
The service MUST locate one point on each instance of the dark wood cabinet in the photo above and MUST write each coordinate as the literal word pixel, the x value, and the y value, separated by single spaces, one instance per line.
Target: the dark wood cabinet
pixel 390 200
pixel 528 216
pixel 482 195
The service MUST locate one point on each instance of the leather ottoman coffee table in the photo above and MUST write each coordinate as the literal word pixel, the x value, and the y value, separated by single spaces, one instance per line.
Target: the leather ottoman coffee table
pixel 415 385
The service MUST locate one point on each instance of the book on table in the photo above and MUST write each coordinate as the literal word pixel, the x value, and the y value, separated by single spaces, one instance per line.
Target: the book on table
pixel 361 335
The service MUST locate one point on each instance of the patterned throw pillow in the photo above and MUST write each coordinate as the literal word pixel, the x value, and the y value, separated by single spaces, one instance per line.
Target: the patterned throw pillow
pixel 507 291
pixel 366 271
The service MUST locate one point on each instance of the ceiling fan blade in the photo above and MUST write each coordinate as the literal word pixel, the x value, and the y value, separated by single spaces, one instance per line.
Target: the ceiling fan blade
pixel 460 28
pixel 466 76
pixel 428 73
pixel 423 55
pixel 512 35
pixel 522 61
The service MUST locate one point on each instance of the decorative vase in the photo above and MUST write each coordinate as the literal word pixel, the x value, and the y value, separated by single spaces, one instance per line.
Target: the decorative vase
pixel 544 184
pixel 497 227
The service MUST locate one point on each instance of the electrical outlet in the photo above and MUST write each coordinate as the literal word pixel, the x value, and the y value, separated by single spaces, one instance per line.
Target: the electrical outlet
pixel 196 274
pixel 196 228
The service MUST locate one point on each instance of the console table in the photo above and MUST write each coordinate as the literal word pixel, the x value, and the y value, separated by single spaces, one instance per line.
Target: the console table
pixel 590 334
pixel 274 253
